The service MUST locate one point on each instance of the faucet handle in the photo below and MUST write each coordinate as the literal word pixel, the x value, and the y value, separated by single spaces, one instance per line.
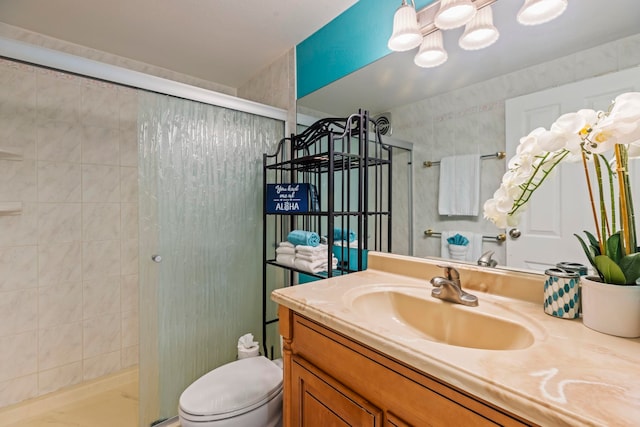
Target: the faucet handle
pixel 450 272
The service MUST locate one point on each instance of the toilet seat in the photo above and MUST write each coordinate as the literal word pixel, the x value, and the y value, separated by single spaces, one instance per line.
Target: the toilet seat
pixel 231 390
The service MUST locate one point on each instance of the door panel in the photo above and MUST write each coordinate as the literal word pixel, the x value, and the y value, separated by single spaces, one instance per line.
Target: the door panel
pixel 560 208
pixel 323 402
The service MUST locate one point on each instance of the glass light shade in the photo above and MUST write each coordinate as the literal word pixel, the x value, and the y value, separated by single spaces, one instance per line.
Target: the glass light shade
pixel 406 34
pixel 535 12
pixel 480 32
pixel 454 13
pixel 431 53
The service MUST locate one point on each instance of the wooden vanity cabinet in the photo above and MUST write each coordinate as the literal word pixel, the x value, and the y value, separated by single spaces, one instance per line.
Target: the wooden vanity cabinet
pixel 331 380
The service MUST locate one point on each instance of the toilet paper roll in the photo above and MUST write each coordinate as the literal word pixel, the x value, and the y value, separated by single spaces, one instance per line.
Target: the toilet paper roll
pixel 244 353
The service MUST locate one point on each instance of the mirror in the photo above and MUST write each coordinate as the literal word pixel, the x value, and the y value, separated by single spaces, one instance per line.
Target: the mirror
pixel 459 107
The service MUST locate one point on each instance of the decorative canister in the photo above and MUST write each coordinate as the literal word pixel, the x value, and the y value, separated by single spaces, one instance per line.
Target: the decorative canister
pixel 561 295
pixel 573 267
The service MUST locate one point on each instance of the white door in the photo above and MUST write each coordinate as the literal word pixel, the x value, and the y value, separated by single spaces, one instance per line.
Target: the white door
pixel 560 207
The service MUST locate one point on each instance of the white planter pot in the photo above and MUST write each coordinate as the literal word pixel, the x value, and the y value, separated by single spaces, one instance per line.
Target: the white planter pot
pixel 611 309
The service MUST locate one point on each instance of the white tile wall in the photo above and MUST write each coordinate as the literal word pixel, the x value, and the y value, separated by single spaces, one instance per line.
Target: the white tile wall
pixel 53 379
pixel 100 183
pixel 58 263
pixel 69 262
pixel 59 345
pixel 18 268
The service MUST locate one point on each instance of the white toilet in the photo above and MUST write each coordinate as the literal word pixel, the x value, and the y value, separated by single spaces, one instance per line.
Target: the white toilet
pixel 244 393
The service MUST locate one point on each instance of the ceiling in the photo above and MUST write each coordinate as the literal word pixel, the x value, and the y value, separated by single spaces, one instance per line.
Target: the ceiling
pixel 224 41
pixel 394 80
pixel 229 42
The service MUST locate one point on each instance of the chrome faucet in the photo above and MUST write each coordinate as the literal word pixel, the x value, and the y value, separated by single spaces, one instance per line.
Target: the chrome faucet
pixel 485 260
pixel 448 288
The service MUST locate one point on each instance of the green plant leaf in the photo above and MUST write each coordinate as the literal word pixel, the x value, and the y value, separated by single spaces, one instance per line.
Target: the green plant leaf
pixel 595 244
pixel 614 247
pixel 586 250
pixel 609 270
pixel 630 265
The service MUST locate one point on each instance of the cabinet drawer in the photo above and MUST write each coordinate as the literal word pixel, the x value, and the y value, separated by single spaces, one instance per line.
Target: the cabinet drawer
pixel 416 398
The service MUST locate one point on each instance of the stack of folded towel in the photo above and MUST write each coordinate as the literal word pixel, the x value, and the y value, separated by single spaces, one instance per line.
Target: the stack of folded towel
pixel 302 250
pixel 313 259
pixel 286 254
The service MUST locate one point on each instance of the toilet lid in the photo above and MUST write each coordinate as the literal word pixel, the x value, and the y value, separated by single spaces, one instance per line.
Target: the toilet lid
pixel 233 389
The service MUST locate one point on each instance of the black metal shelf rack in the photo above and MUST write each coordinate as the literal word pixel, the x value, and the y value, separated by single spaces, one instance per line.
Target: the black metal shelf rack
pixel 349 167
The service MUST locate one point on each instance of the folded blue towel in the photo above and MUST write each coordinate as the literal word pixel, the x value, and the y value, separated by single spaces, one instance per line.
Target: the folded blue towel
pixel 301 237
pixel 458 239
pixel 340 234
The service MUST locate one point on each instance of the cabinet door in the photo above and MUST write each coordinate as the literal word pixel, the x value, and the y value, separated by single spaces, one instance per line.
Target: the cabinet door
pixel 393 421
pixel 320 401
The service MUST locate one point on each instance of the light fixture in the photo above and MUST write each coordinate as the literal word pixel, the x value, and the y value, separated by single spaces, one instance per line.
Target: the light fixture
pixel 406 33
pixel 409 25
pixel 535 12
pixel 480 31
pixel 431 53
pixel 454 13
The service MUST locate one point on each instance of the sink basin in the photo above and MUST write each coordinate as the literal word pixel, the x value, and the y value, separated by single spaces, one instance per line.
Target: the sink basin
pixel 415 313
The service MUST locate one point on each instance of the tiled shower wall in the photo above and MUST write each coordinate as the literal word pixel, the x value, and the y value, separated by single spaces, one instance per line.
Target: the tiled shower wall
pixel 69 260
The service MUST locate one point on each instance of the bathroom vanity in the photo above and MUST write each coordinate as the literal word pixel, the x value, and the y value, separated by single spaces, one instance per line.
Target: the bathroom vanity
pixel 375 349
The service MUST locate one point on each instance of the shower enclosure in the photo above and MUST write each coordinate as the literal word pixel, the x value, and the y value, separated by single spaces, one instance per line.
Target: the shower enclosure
pixel 200 241
pixel 69 234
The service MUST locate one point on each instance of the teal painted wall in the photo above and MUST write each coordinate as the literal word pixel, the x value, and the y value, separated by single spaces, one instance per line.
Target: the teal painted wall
pixel 352 40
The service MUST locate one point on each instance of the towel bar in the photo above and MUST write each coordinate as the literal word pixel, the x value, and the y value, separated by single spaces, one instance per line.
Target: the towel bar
pixel 498 155
pixel 498 238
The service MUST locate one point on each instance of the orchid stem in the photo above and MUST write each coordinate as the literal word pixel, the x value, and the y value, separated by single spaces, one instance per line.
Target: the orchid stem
pixel 593 207
pixel 621 168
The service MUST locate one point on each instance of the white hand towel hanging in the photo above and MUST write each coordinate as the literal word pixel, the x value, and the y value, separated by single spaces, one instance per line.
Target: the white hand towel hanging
pixel 459 185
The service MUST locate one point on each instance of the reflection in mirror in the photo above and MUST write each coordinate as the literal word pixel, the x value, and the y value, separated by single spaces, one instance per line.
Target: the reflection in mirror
pixel 401 189
pixel 459 108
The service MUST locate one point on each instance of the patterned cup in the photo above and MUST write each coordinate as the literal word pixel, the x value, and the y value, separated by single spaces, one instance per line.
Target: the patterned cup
pixel 561 293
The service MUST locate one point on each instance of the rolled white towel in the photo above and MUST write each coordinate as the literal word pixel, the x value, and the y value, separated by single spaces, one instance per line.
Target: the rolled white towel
pixel 286 259
pixel 285 250
pixel 286 244
pixel 312 249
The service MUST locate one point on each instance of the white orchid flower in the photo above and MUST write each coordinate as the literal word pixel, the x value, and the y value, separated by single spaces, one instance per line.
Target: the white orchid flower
pixel 552 141
pixel 626 107
pixel 513 179
pixel 610 131
pixel 493 214
pixel 567 140
pixel 529 146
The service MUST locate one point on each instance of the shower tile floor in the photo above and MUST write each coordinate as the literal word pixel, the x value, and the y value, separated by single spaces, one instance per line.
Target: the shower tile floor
pixel 114 406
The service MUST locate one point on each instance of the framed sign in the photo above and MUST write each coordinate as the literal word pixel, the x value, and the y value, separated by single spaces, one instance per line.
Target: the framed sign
pixel 287 198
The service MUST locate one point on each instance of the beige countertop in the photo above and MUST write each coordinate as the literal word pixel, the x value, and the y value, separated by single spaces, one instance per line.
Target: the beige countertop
pixel 569 376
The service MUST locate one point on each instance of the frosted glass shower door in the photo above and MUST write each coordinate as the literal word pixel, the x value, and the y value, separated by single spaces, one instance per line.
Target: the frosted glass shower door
pixel 200 243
